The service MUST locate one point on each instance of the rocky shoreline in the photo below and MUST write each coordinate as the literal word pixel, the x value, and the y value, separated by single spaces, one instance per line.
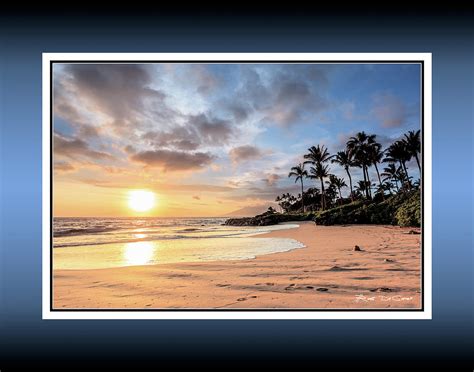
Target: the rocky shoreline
pixel 267 218
pixel 398 210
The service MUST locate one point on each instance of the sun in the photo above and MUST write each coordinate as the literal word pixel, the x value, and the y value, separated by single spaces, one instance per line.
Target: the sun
pixel 141 200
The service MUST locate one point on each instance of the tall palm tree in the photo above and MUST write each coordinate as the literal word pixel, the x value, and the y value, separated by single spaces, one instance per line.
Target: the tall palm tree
pixel 413 144
pixel 317 156
pixel 359 146
pixel 375 155
pixel 338 183
pixel 345 160
pixel 397 152
pixel 320 171
pixel 299 173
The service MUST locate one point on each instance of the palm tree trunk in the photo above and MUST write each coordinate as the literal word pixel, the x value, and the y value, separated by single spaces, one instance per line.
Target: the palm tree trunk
pixel 323 194
pixel 406 175
pixel 350 183
pixel 368 188
pixel 380 181
pixel 365 181
pixel 302 195
pixel 340 196
pixel 417 161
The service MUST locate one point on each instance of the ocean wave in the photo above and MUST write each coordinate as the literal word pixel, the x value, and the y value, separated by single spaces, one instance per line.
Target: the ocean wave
pixel 147 239
pixel 83 231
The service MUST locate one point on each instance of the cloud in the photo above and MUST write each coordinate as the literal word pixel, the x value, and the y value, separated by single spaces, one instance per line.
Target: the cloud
pixel 244 153
pixel 199 130
pixel 170 160
pixel 240 111
pixel 286 95
pixel 179 138
pixel 211 131
pixel 65 110
pixel 76 148
pixel 390 110
pixel 120 95
pixel 195 187
pixel 63 167
pixel 206 81
pixel 271 179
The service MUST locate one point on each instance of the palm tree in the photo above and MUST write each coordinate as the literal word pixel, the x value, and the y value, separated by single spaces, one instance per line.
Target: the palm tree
pixel 413 144
pixel 362 187
pixel 398 152
pixel 359 146
pixel 317 156
pixel 386 186
pixel 345 159
pixel 375 155
pixel 391 173
pixel 299 173
pixel 320 171
pixel 313 196
pixel 338 183
pixel 278 200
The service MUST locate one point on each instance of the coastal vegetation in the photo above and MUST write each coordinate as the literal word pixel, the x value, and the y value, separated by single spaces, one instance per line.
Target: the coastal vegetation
pixel 391 196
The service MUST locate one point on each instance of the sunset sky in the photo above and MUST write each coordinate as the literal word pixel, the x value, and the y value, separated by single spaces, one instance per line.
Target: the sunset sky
pixel 210 139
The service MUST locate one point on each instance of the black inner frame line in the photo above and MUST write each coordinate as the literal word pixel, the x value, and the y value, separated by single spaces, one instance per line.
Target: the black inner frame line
pixel 422 177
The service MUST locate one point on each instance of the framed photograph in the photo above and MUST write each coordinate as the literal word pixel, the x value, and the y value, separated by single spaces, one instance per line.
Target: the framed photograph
pixel 237 186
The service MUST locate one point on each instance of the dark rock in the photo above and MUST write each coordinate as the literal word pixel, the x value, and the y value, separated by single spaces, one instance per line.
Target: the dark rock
pixel 322 289
pixel 357 248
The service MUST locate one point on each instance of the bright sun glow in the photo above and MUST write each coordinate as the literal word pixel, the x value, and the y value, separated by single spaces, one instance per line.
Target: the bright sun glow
pixel 141 200
pixel 138 253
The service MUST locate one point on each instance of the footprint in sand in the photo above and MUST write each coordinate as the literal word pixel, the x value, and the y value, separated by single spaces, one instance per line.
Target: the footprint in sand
pixel 246 298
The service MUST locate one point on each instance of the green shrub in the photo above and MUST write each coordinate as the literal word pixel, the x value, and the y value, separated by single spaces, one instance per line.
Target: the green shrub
pixel 409 213
pixel 401 209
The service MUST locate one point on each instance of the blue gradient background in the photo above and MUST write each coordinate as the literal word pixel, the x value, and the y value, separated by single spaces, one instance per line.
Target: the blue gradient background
pixel 25 337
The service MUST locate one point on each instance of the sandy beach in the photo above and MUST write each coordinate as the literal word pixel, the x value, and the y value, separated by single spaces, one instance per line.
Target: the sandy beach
pixel 326 274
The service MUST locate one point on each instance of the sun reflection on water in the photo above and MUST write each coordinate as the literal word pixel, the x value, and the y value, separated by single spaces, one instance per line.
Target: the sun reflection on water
pixel 138 253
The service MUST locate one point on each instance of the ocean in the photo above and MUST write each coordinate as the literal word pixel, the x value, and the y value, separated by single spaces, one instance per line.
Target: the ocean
pixel 93 242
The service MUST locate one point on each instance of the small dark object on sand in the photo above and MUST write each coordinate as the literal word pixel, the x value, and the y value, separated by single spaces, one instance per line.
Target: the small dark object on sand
pixel 381 289
pixel 322 289
pixel 414 232
pixel 387 260
pixel 357 248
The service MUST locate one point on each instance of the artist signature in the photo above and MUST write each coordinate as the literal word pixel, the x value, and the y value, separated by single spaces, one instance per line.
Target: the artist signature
pixel 364 298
